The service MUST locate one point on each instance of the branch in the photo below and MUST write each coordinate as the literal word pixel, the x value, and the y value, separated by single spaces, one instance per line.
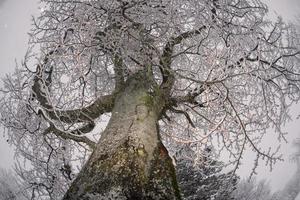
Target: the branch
pixel 68 136
pixel 119 73
pixel 75 135
pixel 189 98
pixel 166 58
pixel 116 58
pixel 84 129
pixel 101 105
pixel 269 157
pixel 185 114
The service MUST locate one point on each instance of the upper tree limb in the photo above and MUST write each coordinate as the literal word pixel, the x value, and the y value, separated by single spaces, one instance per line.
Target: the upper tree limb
pixel 166 58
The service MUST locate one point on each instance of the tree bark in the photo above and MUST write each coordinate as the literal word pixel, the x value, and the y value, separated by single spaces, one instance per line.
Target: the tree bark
pixel 129 161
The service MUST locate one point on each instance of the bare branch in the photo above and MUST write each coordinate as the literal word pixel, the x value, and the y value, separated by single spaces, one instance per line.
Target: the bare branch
pixel 101 105
pixel 166 58
pixel 185 114
pixel 69 136
pixel 119 72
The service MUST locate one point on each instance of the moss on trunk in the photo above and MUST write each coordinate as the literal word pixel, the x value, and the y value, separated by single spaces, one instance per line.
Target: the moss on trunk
pixel 129 162
pixel 126 174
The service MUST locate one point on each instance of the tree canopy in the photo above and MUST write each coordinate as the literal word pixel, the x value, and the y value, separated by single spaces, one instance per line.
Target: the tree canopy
pixel 222 74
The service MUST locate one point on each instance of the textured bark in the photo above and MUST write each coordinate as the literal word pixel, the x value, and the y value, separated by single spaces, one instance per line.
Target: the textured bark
pixel 129 161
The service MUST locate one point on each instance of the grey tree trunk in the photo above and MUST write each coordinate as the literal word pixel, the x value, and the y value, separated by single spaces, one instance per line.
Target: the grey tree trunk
pixel 129 162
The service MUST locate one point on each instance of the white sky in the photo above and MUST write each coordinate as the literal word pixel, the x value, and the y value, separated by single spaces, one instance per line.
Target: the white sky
pixel 15 22
pixel 289 9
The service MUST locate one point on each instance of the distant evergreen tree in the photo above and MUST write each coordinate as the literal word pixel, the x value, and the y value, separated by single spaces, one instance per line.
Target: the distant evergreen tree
pixel 10 187
pixel 6 192
pixel 204 181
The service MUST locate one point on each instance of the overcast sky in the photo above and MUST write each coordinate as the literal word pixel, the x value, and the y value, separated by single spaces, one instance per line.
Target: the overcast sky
pixel 289 9
pixel 15 22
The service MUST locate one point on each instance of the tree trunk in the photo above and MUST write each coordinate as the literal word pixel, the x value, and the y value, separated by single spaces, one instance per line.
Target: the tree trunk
pixel 130 161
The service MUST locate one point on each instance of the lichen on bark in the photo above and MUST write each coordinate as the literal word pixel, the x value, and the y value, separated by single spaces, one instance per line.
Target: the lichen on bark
pixel 129 161
pixel 129 170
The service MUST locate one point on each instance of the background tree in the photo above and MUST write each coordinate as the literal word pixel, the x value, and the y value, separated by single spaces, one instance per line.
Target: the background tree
pixel 203 179
pixel 253 190
pixel 7 186
pixel 193 71
pixel 10 187
pixel 292 189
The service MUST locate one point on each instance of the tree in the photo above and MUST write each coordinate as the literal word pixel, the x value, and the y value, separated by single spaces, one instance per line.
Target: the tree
pixel 253 190
pixel 215 71
pixel 6 188
pixel 292 189
pixel 10 187
pixel 205 179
